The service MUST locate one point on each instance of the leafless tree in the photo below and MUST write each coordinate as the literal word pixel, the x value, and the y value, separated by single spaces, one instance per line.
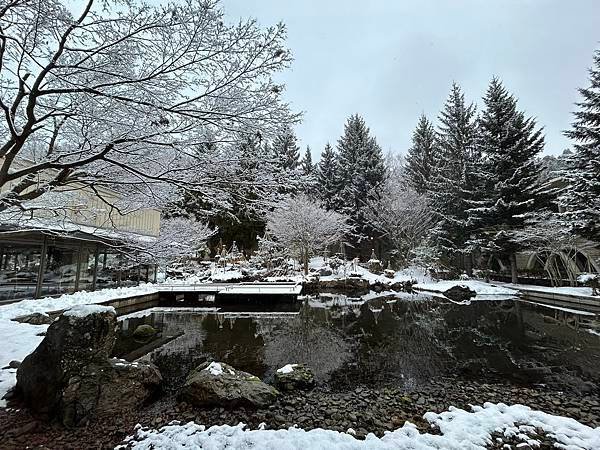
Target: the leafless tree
pixel 303 226
pixel 399 213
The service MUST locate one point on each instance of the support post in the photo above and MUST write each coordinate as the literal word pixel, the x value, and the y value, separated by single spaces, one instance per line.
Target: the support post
pixel 95 275
pixel 42 269
pixel 78 273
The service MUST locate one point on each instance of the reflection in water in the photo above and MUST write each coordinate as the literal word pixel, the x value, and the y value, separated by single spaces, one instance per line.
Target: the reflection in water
pixel 398 339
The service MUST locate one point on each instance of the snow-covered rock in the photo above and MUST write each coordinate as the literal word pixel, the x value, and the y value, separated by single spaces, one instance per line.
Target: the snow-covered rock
pixel 217 383
pixel 294 376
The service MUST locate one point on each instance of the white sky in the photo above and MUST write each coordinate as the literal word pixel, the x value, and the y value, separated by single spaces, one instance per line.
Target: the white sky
pixel 391 60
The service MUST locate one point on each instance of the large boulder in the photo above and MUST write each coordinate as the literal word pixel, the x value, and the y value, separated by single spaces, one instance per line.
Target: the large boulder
pixel 294 376
pixel 70 376
pixel 219 384
pixel 460 293
pixel 144 332
pixel 103 389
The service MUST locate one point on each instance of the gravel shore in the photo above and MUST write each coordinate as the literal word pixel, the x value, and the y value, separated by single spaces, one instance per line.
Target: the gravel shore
pixel 364 409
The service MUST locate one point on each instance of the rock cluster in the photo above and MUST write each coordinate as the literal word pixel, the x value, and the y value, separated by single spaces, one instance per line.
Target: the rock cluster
pixel 70 375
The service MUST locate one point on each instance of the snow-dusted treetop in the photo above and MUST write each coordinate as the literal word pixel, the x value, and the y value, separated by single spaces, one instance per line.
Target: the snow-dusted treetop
pixel 127 95
pixel 302 225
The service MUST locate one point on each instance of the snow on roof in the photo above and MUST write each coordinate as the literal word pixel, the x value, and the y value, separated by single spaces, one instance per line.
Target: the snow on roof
pixel 459 430
pixel 65 226
pixel 288 368
pixel 86 310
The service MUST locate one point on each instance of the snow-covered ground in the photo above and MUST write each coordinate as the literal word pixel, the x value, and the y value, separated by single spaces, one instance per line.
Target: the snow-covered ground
pixel 411 273
pixel 579 291
pixel 480 287
pixel 20 339
pixel 459 430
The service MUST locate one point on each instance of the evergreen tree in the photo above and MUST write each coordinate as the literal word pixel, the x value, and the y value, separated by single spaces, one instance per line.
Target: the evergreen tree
pixel 359 173
pixel 307 165
pixel 286 148
pixel 309 177
pixel 326 177
pixel 510 173
pixel 582 199
pixel 421 156
pixel 452 182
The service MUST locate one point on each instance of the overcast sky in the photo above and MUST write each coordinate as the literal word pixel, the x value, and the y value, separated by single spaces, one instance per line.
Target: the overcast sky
pixel 391 60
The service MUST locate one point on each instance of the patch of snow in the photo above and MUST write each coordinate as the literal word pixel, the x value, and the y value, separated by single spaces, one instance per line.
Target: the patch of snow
pixel 288 368
pixel 576 291
pixel 480 287
pixel 350 268
pixel 86 310
pixel 459 430
pixel 215 368
pixel 587 277
pixel 169 309
pixel 229 275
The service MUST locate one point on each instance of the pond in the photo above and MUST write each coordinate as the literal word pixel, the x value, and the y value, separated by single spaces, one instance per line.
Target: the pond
pixel 401 340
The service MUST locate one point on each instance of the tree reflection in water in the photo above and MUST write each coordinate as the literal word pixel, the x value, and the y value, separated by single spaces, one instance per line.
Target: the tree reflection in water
pixel 386 340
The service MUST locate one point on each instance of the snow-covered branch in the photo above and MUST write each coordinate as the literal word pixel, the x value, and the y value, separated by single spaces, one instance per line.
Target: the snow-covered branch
pixel 127 95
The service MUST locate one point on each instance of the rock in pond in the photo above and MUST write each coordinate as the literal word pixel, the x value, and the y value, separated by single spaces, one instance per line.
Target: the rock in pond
pixel 34 319
pixel 294 376
pixel 144 332
pixel 70 376
pixel 219 384
pixel 460 293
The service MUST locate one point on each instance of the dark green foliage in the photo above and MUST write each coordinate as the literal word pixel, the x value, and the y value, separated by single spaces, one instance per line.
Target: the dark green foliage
pixel 421 156
pixel 509 174
pixel 307 164
pixel 326 177
pixel 452 184
pixel 582 199
pixel 286 149
pixel 360 172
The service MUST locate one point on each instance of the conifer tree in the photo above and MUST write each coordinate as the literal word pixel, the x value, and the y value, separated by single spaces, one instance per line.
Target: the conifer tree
pixel 582 199
pixel 452 184
pixel 510 173
pixel 326 177
pixel 421 156
pixel 286 148
pixel 307 165
pixel 359 173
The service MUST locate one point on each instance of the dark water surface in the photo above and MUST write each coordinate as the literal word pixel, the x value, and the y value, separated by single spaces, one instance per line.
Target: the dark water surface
pixel 402 340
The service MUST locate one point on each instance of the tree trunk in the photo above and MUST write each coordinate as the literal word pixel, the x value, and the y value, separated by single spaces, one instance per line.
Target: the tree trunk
pixel 306 261
pixel 513 268
pixel 468 264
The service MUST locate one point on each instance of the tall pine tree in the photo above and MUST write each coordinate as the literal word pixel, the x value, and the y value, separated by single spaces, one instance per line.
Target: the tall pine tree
pixel 307 164
pixel 421 156
pixel 452 185
pixel 360 172
pixel 582 199
pixel 286 148
pixel 510 173
pixel 327 185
